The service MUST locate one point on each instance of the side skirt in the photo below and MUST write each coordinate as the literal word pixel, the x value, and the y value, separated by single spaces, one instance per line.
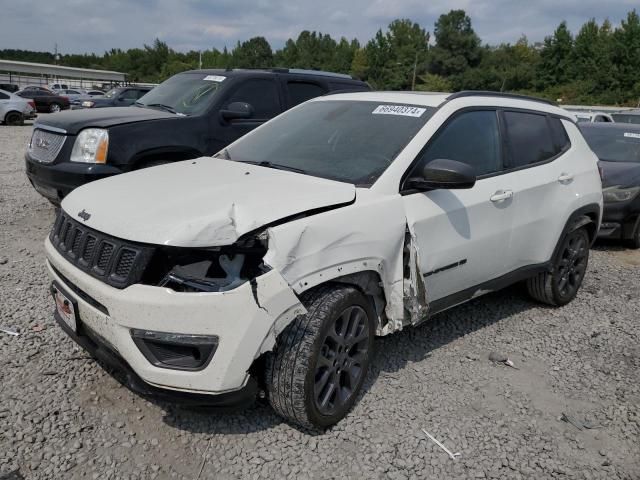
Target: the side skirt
pixel 499 283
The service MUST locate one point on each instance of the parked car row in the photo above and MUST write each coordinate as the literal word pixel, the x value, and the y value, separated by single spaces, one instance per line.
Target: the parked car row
pixel 14 110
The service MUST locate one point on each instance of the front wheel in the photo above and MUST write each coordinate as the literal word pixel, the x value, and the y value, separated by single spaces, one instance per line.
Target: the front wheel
pixel 321 359
pixel 559 286
pixel 54 107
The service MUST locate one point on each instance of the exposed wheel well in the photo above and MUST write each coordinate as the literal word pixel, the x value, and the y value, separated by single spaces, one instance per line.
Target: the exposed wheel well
pixel 369 283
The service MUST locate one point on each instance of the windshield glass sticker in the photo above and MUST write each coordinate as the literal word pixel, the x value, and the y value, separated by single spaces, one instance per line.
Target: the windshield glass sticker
pixel 632 135
pixel 214 78
pixel 399 110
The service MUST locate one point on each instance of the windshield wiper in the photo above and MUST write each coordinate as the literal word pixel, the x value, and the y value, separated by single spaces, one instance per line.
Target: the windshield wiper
pixel 168 108
pixel 277 166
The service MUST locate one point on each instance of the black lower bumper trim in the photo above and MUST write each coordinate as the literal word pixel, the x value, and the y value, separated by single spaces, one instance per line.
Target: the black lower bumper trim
pixel 102 352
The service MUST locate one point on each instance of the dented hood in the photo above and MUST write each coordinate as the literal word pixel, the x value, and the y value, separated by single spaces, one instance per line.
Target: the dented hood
pixel 199 203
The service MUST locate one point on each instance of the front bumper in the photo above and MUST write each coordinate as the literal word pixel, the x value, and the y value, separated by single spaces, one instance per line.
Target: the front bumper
pixel 55 180
pixel 620 219
pixel 246 321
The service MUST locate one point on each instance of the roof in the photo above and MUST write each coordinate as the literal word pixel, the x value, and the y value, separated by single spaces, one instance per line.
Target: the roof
pixel 427 99
pixel 435 99
pixel 292 71
pixel 60 71
pixel 627 127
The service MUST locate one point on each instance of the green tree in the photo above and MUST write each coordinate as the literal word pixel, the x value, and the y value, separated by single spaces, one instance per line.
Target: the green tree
pixel 392 57
pixel 457 46
pixel 359 64
pixel 556 58
pixel 253 53
pixel 626 56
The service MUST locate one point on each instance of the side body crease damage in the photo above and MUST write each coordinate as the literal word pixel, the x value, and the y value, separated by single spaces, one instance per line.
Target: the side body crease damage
pixel 366 244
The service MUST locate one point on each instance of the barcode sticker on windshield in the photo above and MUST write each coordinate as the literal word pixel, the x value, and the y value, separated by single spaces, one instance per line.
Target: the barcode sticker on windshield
pixel 403 110
pixel 215 78
pixel 632 135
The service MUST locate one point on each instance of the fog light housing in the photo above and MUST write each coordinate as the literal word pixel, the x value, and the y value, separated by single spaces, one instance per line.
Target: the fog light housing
pixel 175 351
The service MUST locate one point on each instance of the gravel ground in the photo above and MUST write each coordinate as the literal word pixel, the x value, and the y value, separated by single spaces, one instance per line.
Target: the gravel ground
pixel 62 416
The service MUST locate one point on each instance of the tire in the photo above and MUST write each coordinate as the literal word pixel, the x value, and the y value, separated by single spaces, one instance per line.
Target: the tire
pixel 559 286
pixel 14 119
pixel 634 241
pixel 316 358
pixel 55 107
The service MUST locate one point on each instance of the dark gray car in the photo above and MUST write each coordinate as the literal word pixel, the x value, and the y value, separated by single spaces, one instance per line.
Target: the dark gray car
pixel 117 97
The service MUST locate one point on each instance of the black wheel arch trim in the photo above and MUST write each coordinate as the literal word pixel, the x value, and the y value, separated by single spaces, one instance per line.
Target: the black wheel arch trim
pixel 586 215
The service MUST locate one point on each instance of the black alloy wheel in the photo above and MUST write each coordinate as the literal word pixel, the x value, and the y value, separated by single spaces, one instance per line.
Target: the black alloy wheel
pixel 340 364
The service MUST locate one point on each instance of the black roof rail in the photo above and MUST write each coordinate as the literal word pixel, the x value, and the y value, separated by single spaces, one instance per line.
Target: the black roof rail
pixel 300 71
pixel 346 90
pixel 486 93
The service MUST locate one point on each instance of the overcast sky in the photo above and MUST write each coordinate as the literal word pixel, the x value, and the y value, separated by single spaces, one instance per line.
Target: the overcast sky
pixel 79 26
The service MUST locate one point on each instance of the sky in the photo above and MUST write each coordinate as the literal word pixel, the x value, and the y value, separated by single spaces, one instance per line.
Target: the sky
pixel 83 26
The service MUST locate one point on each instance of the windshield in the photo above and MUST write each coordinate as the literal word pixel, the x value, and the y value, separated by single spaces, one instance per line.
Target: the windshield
pixel 111 93
pixel 348 141
pixel 187 93
pixel 614 145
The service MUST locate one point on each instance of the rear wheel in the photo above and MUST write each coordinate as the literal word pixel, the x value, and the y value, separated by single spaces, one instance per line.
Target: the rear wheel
pixel 321 359
pixel 560 285
pixel 55 107
pixel 14 118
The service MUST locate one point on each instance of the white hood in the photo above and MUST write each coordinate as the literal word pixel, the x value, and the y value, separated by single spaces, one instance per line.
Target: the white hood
pixel 199 203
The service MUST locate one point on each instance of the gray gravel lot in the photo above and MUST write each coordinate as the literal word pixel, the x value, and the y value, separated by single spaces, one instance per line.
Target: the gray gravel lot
pixel 64 417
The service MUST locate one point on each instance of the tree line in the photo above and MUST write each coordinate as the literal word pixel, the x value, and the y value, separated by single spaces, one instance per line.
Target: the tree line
pixel 600 64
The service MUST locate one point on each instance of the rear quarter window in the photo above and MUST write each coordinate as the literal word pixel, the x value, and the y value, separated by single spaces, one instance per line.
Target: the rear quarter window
pixel 559 134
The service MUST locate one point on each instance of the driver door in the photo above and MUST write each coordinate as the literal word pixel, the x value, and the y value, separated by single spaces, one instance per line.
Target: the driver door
pixel 262 94
pixel 462 237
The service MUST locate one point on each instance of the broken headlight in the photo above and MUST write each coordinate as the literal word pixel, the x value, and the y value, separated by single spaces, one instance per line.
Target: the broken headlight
pixel 209 270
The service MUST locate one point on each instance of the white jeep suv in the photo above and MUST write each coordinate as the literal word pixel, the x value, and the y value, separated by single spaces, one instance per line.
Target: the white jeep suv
pixel 270 267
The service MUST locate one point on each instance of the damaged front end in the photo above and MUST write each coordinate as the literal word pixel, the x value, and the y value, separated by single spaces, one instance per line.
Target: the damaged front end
pixel 217 269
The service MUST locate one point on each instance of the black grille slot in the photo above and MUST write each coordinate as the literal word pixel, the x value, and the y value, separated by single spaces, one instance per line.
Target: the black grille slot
pixel 116 262
pixel 106 249
pixel 125 262
pixel 77 243
pixel 89 246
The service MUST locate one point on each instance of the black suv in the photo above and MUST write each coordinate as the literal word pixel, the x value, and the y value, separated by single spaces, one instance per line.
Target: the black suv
pixel 189 115
pixel 117 97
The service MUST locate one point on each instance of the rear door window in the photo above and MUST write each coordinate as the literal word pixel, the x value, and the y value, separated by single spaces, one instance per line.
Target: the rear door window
pixel 300 92
pixel 261 94
pixel 529 138
pixel 3 96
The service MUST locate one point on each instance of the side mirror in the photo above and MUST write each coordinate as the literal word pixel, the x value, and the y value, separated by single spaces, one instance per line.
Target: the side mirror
pixel 237 110
pixel 443 174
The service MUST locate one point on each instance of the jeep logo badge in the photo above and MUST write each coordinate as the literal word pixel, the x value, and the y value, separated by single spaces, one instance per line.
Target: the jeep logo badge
pixel 84 215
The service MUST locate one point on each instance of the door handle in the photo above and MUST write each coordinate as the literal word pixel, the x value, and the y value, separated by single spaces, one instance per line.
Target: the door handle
pixel 565 178
pixel 501 196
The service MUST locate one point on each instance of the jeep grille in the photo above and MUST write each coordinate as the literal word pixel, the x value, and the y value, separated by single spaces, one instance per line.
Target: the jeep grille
pixel 117 262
